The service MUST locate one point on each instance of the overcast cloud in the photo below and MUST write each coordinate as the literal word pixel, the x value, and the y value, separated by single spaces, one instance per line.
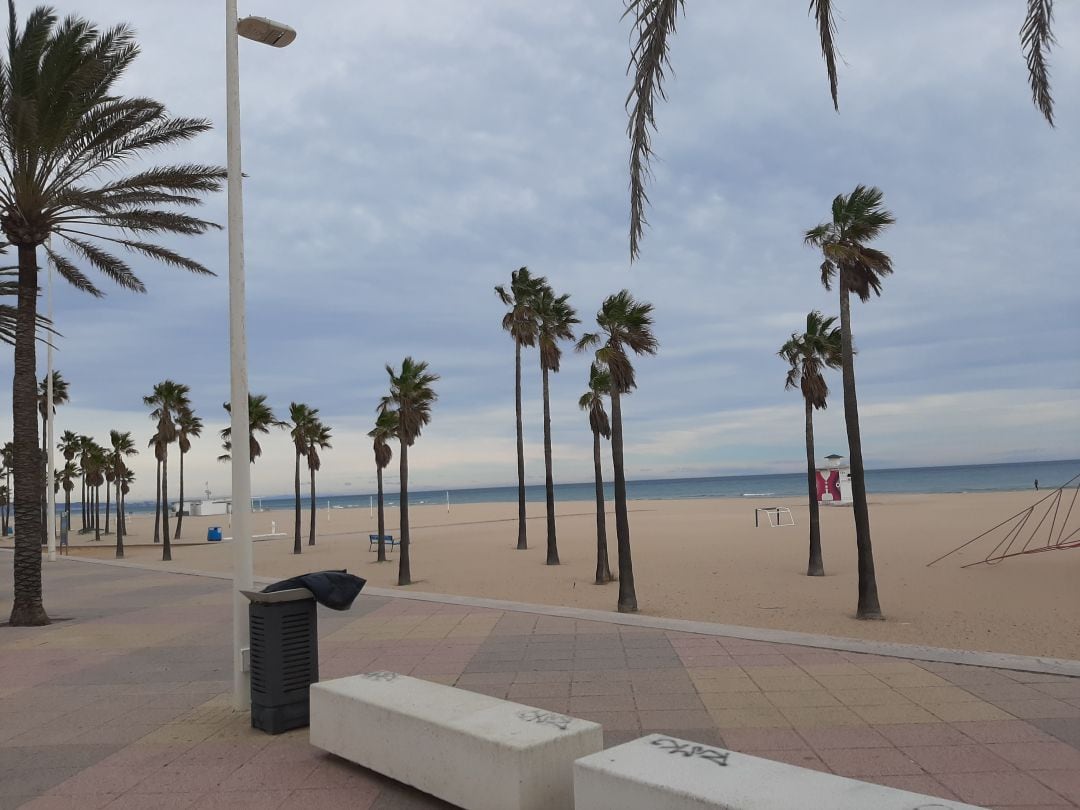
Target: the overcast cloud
pixel 405 157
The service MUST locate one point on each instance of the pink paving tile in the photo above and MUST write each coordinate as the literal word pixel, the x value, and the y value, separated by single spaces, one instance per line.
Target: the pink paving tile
pixel 145 756
pixel 612 721
pixel 99 779
pixel 672 701
pixel 269 775
pixel 772 739
pixel 956 758
pixel 914 783
pixel 821 739
pixel 588 688
pixel 330 799
pixel 1003 731
pixel 1029 756
pixel 765 660
pixel 242 800
pixel 1066 782
pixel 861 763
pixel 923 734
pixel 602 703
pixel 195 779
pixel 801 757
pixel 525 691
pixel 676 720
pixel 86 802
pixel 1011 788
pixel 1037 709
pixel 141 801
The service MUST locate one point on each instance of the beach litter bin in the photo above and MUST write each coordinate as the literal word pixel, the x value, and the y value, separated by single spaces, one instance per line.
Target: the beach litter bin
pixel 213 534
pixel 284 646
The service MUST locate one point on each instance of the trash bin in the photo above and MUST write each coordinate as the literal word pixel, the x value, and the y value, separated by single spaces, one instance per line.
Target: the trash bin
pixel 284 656
pixel 213 534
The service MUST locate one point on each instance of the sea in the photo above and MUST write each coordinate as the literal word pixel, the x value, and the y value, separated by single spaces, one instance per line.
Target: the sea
pixel 954 479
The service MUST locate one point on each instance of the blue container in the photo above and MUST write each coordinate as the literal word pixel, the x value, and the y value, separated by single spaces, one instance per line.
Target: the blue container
pixel 213 534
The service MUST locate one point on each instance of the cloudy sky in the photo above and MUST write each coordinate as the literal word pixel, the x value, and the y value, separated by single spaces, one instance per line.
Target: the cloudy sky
pixel 405 157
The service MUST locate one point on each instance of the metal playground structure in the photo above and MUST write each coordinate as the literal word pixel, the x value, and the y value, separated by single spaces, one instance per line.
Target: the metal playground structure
pixel 1052 531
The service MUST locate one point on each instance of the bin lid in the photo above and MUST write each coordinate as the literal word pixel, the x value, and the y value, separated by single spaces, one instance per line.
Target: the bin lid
pixel 291 595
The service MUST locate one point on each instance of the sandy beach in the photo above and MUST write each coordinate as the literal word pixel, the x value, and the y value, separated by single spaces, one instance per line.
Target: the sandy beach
pixel 705 560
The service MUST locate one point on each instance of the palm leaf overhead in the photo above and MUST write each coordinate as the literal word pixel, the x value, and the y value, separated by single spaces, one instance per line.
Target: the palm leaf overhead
pixel 260 419
pixel 1036 38
pixel 809 354
pixel 592 401
pixel 386 425
pixel 412 397
pixel 822 11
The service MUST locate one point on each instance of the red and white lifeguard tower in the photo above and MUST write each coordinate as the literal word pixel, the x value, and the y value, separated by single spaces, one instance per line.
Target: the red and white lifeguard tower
pixel 834 481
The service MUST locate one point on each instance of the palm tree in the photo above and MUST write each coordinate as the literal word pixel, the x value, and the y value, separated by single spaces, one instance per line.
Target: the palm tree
pixel 808 354
pixel 625 324
pixel 69 448
pixel 126 479
pixel 520 322
pixel 95 460
pixel 412 396
pixel 318 439
pixel 60 396
pixel 655 23
pixel 260 419
pixel 168 400
pixel 303 419
pixel 86 447
pixel 386 425
pixel 592 401
pixel 66 135
pixel 67 475
pixel 555 320
pixel 188 426
pixel 857 219
pixel 7 459
pixel 123 446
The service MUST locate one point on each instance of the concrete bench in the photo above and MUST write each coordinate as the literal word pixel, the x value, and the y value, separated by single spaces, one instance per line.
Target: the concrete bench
pixel 660 771
pixel 475 751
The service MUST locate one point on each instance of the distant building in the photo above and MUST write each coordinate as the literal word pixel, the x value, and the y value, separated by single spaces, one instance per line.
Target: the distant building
pixel 204 507
pixel 834 481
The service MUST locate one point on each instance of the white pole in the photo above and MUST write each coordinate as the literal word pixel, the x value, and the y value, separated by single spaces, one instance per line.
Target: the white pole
pixel 327 510
pixel 448 502
pixel 50 492
pixel 370 506
pixel 243 576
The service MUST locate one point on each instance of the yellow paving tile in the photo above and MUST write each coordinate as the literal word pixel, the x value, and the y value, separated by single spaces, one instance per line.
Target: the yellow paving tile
pixel 918 677
pixel 707 685
pixel 735 700
pixel 883 696
pixel 929 695
pixel 821 716
pixel 962 712
pixel 803 698
pixel 837 682
pixel 833 669
pixel 749 718
pixel 883 715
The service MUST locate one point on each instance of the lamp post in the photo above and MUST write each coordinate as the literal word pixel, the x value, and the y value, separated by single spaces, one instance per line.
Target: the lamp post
pixel 50 492
pixel 270 33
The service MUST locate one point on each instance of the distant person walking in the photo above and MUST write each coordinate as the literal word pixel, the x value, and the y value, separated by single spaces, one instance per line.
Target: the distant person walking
pixel 1036 484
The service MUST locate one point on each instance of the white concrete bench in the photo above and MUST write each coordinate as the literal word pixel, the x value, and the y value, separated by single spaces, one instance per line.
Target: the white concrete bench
pixel 659 771
pixel 472 750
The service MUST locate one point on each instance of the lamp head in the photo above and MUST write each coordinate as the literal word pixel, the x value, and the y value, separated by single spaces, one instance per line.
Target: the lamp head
pixel 268 32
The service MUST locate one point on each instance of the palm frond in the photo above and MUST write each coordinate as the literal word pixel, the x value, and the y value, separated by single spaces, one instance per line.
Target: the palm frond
pixel 822 11
pixel 72 275
pixel 1037 38
pixel 116 269
pixel 654 25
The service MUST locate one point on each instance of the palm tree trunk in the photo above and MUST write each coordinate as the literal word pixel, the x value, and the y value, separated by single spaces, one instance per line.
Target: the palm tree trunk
pixel 404 576
pixel 67 506
pixel 27 608
pixel 180 514
pixel 815 568
pixel 603 569
pixel 627 594
pixel 166 552
pixel 522 543
pixel 868 607
pixel 296 549
pixel 108 495
pixel 157 505
pixel 311 535
pixel 82 500
pixel 382 524
pixel 97 512
pixel 549 485
pixel 119 520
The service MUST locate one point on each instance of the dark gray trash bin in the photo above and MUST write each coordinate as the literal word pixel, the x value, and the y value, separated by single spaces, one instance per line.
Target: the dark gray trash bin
pixel 284 654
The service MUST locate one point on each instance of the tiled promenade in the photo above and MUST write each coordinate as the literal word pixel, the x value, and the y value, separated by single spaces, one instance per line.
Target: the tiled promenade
pixel 123 702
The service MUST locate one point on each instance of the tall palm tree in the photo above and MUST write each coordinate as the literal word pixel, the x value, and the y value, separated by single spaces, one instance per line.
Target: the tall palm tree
pixel 808 354
pixel 592 402
pixel 318 439
pixel 95 459
pixel 86 447
pixel 654 26
pixel 168 400
pixel 69 448
pixel 520 322
pixel 857 219
pixel 188 427
pixel 412 396
pixel 555 321
pixel 302 418
pixel 260 419
pixel 126 479
pixel 67 135
pixel 625 325
pixel 386 425
pixel 122 447
pixel 7 459
pixel 67 475
pixel 60 396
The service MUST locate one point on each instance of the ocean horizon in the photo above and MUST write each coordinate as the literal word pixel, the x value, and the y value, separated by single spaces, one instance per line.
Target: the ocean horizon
pixel 911 480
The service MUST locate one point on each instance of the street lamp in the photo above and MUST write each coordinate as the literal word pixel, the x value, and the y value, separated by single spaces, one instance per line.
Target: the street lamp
pixel 272 33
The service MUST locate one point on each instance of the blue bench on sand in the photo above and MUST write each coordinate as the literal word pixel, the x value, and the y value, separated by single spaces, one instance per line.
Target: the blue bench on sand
pixel 388 540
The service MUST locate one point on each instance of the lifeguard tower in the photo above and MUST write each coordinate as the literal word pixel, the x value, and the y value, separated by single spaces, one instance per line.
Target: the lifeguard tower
pixel 834 481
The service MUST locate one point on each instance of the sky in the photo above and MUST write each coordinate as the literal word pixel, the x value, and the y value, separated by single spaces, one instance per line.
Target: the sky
pixel 403 158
